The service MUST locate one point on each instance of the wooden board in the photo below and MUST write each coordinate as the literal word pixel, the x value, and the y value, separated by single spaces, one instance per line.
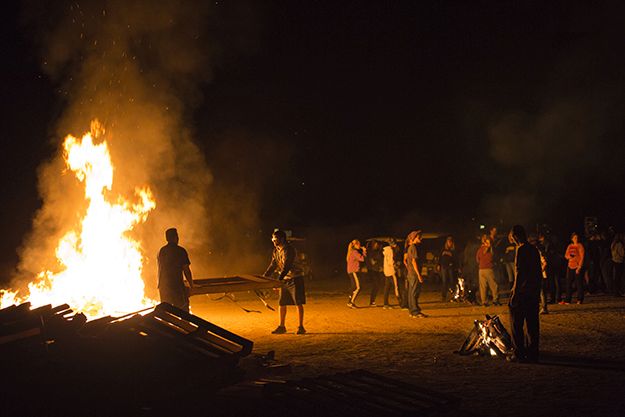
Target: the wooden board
pixel 235 283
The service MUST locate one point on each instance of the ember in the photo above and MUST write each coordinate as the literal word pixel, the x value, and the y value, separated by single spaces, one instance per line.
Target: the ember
pixel 99 265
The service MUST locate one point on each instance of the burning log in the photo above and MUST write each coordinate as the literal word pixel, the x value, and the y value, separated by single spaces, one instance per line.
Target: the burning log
pixel 487 338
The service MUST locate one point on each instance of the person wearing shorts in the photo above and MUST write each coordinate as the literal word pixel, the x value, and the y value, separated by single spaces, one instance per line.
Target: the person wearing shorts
pixel 284 264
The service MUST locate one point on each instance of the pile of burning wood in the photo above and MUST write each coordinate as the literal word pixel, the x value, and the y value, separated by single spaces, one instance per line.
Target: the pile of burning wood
pixel 56 362
pixel 488 338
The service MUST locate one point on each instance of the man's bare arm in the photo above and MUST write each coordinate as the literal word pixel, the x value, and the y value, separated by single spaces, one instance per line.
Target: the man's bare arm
pixel 186 270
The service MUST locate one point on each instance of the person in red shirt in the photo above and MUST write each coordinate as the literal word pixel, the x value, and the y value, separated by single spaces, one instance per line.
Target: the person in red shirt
pixel 575 256
pixel 484 258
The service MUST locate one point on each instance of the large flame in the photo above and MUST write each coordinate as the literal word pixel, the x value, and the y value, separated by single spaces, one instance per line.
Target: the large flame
pixel 100 264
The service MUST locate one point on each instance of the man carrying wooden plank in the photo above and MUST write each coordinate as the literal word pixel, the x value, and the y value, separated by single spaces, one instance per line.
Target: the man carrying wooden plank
pixel 284 263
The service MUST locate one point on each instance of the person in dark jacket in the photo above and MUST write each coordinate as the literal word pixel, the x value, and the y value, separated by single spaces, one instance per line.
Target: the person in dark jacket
pixel 375 269
pixel 525 298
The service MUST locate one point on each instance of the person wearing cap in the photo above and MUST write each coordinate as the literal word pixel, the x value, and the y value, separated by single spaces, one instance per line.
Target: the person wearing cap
pixel 173 263
pixel 414 278
pixel 284 264
pixel 525 297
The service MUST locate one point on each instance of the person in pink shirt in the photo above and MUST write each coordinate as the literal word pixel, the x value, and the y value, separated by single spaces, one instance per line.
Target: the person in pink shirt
pixel 484 258
pixel 355 255
pixel 575 256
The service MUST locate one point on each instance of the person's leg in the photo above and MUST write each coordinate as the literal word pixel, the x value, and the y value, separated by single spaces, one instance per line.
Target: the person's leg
pixel 533 332
pixel 445 282
pixel 387 289
pixel 282 316
pixel 543 296
pixel 579 280
pixel 492 284
pixel 570 276
pixel 417 293
pixel 412 295
pixel 482 283
pixel 356 288
pixel 300 314
pixel 517 334
pixel 375 285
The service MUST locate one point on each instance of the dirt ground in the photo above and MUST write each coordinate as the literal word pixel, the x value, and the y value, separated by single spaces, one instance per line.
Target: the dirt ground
pixel 581 373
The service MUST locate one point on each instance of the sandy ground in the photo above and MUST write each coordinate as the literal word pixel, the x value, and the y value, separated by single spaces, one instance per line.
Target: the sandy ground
pixel 582 369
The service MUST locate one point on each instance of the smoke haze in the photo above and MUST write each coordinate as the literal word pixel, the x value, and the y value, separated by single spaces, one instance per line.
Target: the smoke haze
pixel 137 66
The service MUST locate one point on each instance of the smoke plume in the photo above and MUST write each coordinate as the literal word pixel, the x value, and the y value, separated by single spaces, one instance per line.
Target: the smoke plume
pixel 137 66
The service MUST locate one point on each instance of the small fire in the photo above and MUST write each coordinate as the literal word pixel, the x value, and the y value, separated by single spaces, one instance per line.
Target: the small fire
pixel 100 264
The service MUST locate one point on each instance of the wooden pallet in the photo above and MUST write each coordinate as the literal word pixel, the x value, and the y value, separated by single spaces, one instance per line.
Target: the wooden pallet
pixel 235 283
pixel 357 393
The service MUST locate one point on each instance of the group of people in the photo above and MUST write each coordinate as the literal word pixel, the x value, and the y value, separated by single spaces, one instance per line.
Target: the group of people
pixel 532 265
pixel 397 269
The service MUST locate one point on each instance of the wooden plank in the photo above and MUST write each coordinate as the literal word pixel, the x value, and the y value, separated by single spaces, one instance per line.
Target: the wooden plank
pixel 243 286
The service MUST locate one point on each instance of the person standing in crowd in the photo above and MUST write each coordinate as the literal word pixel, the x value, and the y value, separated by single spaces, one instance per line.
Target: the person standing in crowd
pixel 533 240
pixel 375 269
pixel 575 256
pixel 617 250
pixel 546 247
pixel 355 255
pixel 448 266
pixel 524 298
pixel 390 274
pixel 496 245
pixel 284 263
pixel 173 263
pixel 508 259
pixel 484 257
pixel 414 278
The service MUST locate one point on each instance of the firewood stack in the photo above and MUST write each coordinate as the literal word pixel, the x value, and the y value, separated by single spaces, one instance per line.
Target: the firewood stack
pixel 55 362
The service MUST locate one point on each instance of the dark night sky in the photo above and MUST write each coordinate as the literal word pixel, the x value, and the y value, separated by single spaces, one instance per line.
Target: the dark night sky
pixel 382 115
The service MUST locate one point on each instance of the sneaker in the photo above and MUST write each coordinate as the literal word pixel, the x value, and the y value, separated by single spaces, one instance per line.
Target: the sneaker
pixel 496 303
pixel 351 305
pixel 418 316
pixel 563 303
pixel 372 304
pixel 544 311
pixel 387 307
pixel 485 305
pixel 579 302
pixel 279 330
pixel 301 330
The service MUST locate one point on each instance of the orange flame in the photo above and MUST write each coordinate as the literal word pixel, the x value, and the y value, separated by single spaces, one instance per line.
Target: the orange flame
pixel 101 265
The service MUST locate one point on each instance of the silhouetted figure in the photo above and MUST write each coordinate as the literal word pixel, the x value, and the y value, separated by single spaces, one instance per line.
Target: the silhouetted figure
pixel 617 249
pixel 173 263
pixel 524 298
pixel 413 276
pixel 284 264
pixel 448 266
pixel 375 268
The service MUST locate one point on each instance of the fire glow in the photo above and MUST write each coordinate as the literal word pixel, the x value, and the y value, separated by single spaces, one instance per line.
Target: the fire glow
pixel 100 265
